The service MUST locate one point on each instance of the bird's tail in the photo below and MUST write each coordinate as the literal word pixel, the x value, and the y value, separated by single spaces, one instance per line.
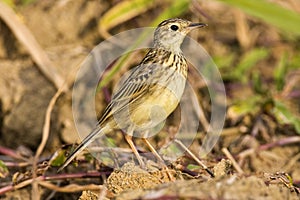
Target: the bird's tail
pixel 97 132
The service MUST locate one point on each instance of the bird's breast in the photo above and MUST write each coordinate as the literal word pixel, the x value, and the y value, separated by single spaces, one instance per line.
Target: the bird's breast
pixel 159 103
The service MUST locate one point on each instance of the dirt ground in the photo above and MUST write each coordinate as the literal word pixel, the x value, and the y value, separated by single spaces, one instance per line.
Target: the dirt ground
pixel 255 157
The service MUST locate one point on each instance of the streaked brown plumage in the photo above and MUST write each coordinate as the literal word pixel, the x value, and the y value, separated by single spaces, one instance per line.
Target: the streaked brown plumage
pixel 151 92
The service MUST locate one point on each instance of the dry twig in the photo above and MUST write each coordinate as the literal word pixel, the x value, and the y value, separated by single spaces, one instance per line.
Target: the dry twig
pixel 195 158
pixel 46 130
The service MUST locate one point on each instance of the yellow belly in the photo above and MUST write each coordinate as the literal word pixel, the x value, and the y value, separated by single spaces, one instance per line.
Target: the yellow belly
pixel 152 109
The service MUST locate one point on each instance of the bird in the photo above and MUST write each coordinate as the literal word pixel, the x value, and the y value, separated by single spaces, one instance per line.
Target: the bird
pixel 150 93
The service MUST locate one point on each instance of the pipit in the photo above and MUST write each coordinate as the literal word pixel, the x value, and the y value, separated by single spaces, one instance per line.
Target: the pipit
pixel 150 93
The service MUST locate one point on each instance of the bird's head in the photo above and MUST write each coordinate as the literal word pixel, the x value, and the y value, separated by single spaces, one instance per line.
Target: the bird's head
pixel 170 33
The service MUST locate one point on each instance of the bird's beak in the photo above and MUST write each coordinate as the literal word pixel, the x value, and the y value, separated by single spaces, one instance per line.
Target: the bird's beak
pixel 192 26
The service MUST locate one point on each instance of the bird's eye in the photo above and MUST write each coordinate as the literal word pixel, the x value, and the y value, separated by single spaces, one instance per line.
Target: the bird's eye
pixel 174 27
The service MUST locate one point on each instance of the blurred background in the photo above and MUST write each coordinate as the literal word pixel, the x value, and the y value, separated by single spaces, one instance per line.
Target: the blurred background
pixel 255 44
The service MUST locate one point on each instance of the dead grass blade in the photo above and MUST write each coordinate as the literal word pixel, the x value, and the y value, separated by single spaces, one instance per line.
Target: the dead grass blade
pixel 26 38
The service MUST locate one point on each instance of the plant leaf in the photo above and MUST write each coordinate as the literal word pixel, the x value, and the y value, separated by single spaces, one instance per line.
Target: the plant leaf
pixel 285 116
pixel 247 62
pixel 245 106
pixel 3 170
pixel 122 12
pixel 285 19
pixel 280 72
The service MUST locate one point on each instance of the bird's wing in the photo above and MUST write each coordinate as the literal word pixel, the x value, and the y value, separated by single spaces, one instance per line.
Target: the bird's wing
pixel 135 86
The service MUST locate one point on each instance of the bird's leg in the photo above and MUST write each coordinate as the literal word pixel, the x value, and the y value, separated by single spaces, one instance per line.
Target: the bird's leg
pixel 152 149
pixel 128 138
pixel 195 158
